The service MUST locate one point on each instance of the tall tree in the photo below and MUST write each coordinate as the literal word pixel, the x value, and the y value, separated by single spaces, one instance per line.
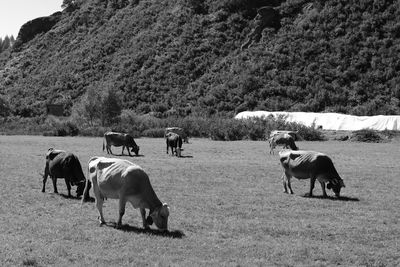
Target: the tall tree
pixel 4 108
pixel 69 5
pixel 12 40
pixel 6 43
pixel 90 105
pixel 111 107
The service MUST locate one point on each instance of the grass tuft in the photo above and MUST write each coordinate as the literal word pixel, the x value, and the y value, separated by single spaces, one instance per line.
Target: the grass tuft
pixel 29 262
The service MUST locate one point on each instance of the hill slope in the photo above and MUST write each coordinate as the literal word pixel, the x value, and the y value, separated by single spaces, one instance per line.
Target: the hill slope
pixel 185 54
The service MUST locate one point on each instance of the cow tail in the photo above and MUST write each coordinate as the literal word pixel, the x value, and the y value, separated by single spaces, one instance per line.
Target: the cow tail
pixel 85 195
pixel 103 143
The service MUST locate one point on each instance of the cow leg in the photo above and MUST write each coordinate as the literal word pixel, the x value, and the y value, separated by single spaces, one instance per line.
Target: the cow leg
pixel 98 197
pixel 122 203
pixel 312 183
pixel 44 183
pixel 109 151
pixel 46 173
pixel 99 205
pixel 323 189
pixel 271 148
pixel 54 179
pixel 68 186
pixel 129 152
pixel 286 183
pixel 143 213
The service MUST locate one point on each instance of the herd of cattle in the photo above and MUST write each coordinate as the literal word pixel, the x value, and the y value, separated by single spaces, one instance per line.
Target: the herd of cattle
pixel 123 180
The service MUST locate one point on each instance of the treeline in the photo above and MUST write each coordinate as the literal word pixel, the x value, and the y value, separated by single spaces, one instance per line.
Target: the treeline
pixel 6 43
pixel 184 58
pixel 97 113
pixel 215 128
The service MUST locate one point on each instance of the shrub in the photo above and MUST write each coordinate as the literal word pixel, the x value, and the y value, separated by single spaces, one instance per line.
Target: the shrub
pixel 54 126
pixel 216 128
pixel 256 132
pixel 261 128
pixel 93 131
pixel 310 133
pixel 226 129
pixel 366 135
pixel 153 132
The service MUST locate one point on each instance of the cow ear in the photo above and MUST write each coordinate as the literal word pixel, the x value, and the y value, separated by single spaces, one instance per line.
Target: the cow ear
pixel 164 210
pixel 329 186
pixel 149 220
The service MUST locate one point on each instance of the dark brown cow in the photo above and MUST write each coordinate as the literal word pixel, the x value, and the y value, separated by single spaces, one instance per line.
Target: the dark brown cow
pixel 179 131
pixel 174 141
pixel 60 164
pixel 120 139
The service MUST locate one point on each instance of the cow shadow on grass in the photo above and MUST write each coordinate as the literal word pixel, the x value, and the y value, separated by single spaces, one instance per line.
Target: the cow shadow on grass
pixel 90 199
pixel 188 157
pixel 342 198
pixel 133 229
pixel 125 155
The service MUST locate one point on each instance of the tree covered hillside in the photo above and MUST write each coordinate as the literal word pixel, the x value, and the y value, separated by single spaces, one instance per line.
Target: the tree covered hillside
pixel 185 55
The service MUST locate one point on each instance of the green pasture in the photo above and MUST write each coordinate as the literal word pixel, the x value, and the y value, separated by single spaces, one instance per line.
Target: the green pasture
pixel 225 197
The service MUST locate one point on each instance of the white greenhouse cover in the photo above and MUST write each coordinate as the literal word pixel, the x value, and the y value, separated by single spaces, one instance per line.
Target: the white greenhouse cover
pixel 330 121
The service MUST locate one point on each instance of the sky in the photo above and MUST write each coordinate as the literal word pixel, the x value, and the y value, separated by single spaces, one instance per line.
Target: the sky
pixel 15 13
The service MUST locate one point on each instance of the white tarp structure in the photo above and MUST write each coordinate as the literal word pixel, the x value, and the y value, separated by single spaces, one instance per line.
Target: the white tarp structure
pixel 330 121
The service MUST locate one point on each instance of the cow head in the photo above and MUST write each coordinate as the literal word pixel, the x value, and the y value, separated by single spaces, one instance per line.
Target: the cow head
pixel 135 149
pixel 160 217
pixel 131 143
pixel 336 185
pixel 80 187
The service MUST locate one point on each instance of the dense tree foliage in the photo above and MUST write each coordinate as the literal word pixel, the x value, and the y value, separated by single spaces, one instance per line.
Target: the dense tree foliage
pixel 184 56
pixel 6 43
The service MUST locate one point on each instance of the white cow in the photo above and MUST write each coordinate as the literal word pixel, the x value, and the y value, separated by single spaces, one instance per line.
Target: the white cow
pixel 294 134
pixel 282 139
pixel 126 181
pixel 310 165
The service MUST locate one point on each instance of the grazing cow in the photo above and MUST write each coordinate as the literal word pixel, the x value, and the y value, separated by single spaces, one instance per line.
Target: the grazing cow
pixel 177 130
pixel 60 164
pixel 123 180
pixel 174 141
pixel 310 165
pixel 294 134
pixel 283 139
pixel 120 139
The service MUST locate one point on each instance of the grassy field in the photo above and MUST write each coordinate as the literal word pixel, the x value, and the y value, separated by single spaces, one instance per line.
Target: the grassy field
pixel 225 197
